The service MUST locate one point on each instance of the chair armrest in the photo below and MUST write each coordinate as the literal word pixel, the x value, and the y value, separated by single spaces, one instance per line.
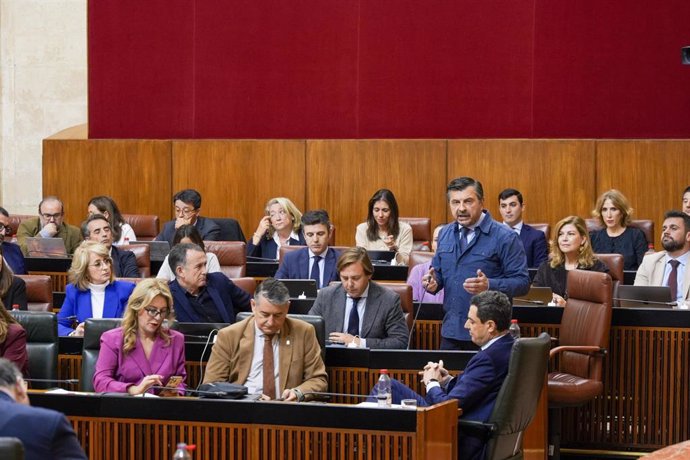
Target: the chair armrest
pixel 592 349
pixel 476 429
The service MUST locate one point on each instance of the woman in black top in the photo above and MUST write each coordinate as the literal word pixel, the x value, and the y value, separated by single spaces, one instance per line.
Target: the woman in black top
pixel 12 288
pixel 571 250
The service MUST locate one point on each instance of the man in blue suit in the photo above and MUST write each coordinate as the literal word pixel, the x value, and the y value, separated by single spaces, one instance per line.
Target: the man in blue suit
pixel 187 208
pixel 534 241
pixel 201 296
pixel 316 261
pixel 477 387
pixel 46 434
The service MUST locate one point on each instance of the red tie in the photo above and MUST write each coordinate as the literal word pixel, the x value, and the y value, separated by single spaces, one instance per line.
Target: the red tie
pixel 268 368
pixel 673 279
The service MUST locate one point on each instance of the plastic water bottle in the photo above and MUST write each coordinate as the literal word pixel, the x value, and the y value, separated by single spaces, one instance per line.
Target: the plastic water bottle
pixel 182 453
pixel 383 389
pixel 514 329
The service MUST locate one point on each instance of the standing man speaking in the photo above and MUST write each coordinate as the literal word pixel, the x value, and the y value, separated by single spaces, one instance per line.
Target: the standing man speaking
pixel 475 253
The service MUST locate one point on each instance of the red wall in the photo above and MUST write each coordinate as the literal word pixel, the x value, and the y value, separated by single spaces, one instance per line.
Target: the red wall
pixel 388 69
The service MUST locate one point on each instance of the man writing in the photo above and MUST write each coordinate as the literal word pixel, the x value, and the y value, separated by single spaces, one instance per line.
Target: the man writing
pixel 97 228
pixel 49 224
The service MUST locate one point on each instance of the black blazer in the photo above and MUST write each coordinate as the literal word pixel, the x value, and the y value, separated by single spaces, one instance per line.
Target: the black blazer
pixel 124 263
pixel 225 294
pixel 267 247
pixel 15 295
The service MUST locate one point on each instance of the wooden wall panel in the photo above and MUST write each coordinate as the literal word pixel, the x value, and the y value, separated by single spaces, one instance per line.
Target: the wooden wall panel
pixel 136 173
pixel 556 177
pixel 236 177
pixel 652 174
pixel 344 174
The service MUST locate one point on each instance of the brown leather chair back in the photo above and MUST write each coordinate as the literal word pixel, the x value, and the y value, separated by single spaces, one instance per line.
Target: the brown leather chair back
pixel 145 226
pixel 421 231
pixel 286 250
pixel 142 252
pixel 39 292
pixel 615 262
pixel 418 257
pixel 646 225
pixel 15 220
pixel 544 228
pixel 405 293
pixel 232 256
pixel 246 283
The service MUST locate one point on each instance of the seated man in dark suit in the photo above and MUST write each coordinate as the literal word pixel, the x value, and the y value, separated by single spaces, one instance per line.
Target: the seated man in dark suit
pixel 359 312
pixel 187 207
pixel 477 387
pixel 317 260
pixel 97 228
pixel 10 251
pixel 200 296
pixel 534 241
pixel 45 433
pixel 49 224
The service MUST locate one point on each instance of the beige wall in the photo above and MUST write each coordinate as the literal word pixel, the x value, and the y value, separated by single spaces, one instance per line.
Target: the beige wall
pixel 42 89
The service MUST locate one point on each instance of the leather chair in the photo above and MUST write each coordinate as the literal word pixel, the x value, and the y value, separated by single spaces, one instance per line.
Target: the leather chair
pixel 544 228
pixel 11 449
pixel 315 320
pixel 232 256
pixel 418 257
pixel 145 226
pixel 405 293
pixel 230 229
pixel 39 292
pixel 646 225
pixel 421 232
pixel 615 262
pixel 93 329
pixel 41 345
pixel 15 220
pixel 584 336
pixel 516 402
pixel 247 284
pixel 142 252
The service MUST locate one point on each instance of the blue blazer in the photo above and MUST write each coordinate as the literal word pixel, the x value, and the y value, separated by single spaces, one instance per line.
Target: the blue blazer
pixel 54 439
pixel 534 242
pixel 225 294
pixel 78 303
pixel 296 266
pixel 208 229
pixel 12 254
pixel 267 247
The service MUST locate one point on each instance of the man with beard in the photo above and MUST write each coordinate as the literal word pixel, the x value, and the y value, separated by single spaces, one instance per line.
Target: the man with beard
pixel 475 253
pixel 670 266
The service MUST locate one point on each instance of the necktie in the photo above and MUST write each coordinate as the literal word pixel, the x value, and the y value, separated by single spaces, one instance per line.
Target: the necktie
pixel 269 368
pixel 673 279
pixel 316 271
pixel 353 324
pixel 463 238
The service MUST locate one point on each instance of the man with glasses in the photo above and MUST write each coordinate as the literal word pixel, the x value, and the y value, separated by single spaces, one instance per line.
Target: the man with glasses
pixel 44 433
pixel 49 224
pixel 187 207
pixel 11 252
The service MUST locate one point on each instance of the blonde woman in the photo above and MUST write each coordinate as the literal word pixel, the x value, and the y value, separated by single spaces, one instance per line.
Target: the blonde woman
pixel 143 352
pixel 281 226
pixel 569 251
pixel 93 291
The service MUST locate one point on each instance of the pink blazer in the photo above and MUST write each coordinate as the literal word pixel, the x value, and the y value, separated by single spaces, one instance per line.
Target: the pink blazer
pixel 115 371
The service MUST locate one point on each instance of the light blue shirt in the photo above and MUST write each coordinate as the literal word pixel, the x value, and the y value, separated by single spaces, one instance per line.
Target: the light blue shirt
pixel 471 233
pixel 681 274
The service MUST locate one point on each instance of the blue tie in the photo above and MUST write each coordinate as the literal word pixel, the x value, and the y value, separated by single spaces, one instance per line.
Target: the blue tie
pixel 463 238
pixel 353 324
pixel 316 271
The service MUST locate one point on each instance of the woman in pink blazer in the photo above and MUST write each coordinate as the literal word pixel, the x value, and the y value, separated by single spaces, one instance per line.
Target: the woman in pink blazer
pixel 142 353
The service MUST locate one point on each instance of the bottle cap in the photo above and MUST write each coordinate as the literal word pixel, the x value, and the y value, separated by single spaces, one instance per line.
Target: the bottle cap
pixel 384 371
pixel 513 321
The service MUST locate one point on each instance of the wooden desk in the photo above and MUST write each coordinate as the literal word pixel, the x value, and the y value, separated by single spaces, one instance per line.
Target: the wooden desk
pixel 114 427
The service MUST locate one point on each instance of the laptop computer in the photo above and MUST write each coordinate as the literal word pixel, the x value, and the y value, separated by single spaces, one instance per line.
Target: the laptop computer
pixel 301 288
pixel 645 297
pixel 381 257
pixel 159 249
pixel 537 295
pixel 46 247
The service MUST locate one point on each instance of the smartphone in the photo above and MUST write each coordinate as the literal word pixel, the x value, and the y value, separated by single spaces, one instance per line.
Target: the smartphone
pixel 174 381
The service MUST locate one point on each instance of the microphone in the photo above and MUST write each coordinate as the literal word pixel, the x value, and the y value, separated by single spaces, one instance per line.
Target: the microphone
pixel 56 381
pixel 414 320
pixel 214 334
pixel 260 259
pixel 653 302
pixel 529 301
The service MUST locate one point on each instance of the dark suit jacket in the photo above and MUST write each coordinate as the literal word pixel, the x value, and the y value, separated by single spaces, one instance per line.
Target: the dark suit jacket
pixel 14 348
pixel 267 247
pixel 15 295
pixel 208 229
pixel 46 434
pixel 383 324
pixel 124 263
pixel 534 242
pixel 12 254
pixel 225 294
pixel 296 266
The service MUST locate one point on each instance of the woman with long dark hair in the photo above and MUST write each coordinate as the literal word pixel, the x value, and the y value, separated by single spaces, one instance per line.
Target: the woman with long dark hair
pixel 383 231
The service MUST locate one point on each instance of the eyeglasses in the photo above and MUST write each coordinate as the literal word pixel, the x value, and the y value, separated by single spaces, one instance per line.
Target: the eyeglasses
pixel 51 216
pixel 155 313
pixel 185 212
pixel 101 263
pixel 4 228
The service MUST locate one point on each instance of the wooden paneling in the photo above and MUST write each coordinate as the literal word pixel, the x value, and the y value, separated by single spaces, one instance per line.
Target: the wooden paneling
pixel 652 174
pixel 135 173
pixel 556 177
pixel 236 178
pixel 343 175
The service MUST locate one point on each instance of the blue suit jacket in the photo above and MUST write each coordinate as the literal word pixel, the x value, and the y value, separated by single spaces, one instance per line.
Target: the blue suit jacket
pixel 534 242
pixel 12 254
pixel 208 229
pixel 225 294
pixel 496 250
pixel 78 303
pixel 296 266
pixel 268 249
pixel 46 434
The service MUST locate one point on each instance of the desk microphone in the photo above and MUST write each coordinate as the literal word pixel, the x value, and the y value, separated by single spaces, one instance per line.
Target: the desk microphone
pixel 529 301
pixel 213 334
pixel 56 381
pixel 414 320
pixel 260 259
pixel 653 302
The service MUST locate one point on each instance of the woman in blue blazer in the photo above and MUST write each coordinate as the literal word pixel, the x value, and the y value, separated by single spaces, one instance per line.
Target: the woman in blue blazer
pixel 281 226
pixel 93 291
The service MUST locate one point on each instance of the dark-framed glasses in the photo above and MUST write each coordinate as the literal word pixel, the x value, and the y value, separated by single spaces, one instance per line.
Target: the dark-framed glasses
pixel 155 313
